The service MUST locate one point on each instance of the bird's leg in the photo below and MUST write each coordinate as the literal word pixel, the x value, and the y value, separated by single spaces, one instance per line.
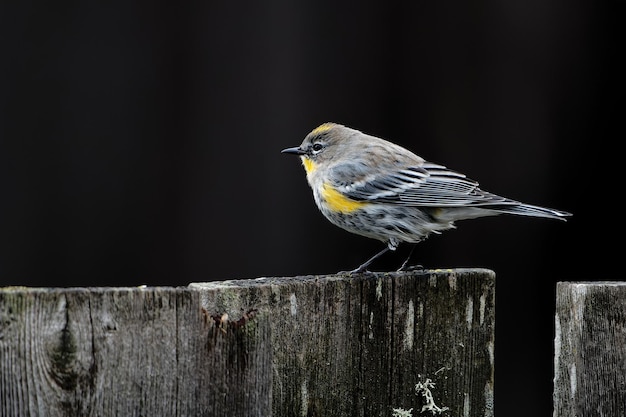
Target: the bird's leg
pixel 408 258
pixel 406 262
pixel 367 263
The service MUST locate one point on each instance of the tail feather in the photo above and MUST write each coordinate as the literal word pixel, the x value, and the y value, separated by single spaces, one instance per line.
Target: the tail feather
pixel 533 211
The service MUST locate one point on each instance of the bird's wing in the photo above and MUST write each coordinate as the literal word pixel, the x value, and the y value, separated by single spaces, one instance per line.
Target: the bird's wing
pixel 419 185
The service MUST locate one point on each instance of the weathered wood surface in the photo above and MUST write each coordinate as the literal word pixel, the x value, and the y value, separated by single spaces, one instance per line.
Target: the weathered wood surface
pixel 590 349
pixel 306 346
pixel 124 352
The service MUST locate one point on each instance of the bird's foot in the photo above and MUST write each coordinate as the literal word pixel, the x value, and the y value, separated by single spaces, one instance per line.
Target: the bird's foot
pixel 410 268
pixel 360 270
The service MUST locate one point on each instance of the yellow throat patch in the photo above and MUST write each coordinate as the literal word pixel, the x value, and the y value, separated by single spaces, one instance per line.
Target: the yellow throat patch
pixel 338 202
pixel 309 165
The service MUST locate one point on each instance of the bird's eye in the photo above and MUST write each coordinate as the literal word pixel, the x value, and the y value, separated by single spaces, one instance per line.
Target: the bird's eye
pixel 317 147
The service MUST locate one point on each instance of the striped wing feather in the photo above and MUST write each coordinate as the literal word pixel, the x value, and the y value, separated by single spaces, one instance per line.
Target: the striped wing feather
pixel 422 185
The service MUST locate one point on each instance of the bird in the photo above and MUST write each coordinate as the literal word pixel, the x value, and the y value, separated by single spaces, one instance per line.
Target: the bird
pixel 377 189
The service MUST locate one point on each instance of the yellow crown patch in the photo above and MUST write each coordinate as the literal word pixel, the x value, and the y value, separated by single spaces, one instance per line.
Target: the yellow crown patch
pixel 323 128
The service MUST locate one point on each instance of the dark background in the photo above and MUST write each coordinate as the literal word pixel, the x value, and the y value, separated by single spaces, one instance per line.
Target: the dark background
pixel 140 144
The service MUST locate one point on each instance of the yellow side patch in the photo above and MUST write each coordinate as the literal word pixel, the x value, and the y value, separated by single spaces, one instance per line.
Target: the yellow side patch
pixel 436 212
pixel 322 128
pixel 338 202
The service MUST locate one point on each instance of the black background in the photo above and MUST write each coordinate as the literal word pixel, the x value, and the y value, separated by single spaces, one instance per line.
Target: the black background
pixel 140 144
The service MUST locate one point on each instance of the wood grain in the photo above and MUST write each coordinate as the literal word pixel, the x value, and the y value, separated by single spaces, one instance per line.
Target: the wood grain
pixel 358 346
pixel 302 346
pixel 590 349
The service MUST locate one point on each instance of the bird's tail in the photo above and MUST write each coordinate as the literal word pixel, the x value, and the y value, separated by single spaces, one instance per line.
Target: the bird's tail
pixel 522 209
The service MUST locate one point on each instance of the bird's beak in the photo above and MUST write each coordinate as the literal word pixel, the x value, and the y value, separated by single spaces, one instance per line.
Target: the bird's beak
pixel 295 151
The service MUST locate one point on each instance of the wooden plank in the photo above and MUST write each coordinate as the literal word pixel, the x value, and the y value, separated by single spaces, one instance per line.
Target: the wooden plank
pixel 590 349
pixel 125 352
pixel 359 345
pixel 329 345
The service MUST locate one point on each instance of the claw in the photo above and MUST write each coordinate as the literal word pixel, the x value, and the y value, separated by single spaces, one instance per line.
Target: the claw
pixel 410 268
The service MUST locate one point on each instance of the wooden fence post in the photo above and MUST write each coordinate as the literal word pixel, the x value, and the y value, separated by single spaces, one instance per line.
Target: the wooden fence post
pixel 590 349
pixel 124 352
pixel 377 345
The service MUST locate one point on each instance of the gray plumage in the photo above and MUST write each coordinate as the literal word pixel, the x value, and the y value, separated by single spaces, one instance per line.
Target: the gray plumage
pixel 404 198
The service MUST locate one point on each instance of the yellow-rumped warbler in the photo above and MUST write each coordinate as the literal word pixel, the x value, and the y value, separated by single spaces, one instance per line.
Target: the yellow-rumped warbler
pixel 375 188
